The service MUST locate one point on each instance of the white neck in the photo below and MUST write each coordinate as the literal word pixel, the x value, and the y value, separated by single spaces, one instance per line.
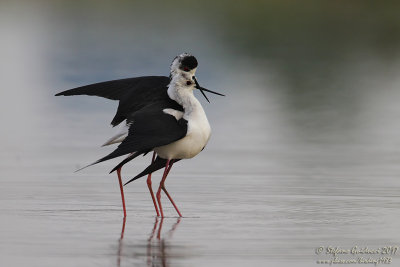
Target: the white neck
pixel 183 95
pixel 198 129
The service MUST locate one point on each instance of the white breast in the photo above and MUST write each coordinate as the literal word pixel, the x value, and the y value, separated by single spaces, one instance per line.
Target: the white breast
pixel 198 134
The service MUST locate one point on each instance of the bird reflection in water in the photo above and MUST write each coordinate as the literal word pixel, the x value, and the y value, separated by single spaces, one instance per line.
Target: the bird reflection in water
pixel 120 242
pixel 156 254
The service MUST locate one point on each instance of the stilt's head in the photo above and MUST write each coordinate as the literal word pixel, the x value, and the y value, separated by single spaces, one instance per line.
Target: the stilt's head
pixel 183 64
pixel 183 69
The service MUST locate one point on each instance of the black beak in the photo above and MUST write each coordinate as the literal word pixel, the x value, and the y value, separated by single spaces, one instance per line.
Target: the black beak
pixel 202 89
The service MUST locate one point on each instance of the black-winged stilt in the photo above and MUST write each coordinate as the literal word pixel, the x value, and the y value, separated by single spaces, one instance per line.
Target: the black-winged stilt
pixel 158 114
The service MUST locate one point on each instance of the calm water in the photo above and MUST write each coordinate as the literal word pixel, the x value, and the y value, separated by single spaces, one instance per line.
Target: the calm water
pixel 304 151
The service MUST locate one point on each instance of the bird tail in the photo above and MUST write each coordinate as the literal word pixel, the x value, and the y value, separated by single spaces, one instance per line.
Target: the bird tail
pixel 159 163
pixel 129 158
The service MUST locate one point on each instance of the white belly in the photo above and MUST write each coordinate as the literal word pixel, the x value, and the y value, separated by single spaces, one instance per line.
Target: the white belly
pixel 196 139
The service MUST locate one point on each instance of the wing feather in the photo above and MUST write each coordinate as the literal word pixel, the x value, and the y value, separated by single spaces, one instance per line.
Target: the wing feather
pixel 132 93
pixel 151 128
pixel 118 89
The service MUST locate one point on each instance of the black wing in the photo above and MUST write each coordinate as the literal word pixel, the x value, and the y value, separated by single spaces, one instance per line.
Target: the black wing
pixel 118 89
pixel 151 128
pixel 132 93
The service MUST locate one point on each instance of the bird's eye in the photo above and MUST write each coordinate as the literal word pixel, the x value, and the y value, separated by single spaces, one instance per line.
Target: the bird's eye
pixel 188 83
pixel 186 69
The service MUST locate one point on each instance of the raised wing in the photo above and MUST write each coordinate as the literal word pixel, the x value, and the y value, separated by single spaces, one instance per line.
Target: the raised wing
pixel 151 128
pixel 118 89
pixel 132 93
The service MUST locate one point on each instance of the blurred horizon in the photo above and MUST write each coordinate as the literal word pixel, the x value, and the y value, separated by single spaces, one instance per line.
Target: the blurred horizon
pixel 324 60
pixel 316 78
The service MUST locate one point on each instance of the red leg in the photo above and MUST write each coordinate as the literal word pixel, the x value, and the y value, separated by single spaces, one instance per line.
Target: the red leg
pixel 159 188
pixel 150 188
pixel 168 167
pixel 122 190
pixel 166 192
